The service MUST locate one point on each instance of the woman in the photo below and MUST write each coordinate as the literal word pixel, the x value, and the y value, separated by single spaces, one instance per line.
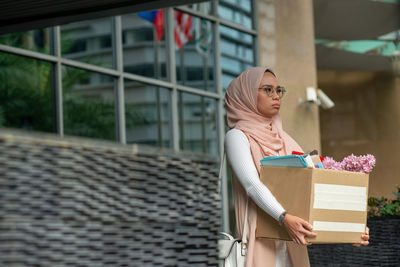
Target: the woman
pixel 252 103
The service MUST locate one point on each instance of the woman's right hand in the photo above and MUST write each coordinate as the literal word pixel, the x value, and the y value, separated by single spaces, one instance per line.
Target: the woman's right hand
pixel 298 229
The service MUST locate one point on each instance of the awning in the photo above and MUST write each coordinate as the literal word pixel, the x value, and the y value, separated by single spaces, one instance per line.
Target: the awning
pixel 355 19
pixel 340 23
pixel 335 59
pixel 22 15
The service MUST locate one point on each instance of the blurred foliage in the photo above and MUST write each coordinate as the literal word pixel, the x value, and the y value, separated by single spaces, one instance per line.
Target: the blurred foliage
pixel 35 40
pixel 25 95
pixel 27 100
pixel 383 206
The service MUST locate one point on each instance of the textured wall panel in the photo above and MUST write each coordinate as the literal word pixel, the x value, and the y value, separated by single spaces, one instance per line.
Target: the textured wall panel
pixel 73 204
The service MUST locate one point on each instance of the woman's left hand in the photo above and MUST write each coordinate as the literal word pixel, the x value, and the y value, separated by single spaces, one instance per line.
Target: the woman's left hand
pixel 364 238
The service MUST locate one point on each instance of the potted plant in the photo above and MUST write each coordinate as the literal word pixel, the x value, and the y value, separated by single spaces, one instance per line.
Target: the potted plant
pixel 383 207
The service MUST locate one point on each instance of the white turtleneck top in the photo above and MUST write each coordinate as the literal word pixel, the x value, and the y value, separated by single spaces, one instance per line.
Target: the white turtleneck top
pixel 238 153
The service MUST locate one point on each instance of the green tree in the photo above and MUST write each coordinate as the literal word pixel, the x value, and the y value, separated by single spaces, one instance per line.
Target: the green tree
pixel 26 97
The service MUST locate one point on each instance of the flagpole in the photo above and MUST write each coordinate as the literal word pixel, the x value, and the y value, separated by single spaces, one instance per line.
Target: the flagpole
pixel 181 105
pixel 203 117
pixel 158 102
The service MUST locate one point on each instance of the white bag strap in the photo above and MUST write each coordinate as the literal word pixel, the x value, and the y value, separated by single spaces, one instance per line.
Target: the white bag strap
pixel 244 234
pixel 221 167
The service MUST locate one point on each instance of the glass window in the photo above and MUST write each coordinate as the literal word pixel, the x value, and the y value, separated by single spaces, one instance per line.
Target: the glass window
pixel 210 123
pixel 88 41
pixel 34 40
pixel 237 11
pixel 144 44
pixel 237 53
pixel 194 52
pixel 89 97
pixel 197 123
pixel 203 7
pixel 26 99
pixel 147 110
pixel 89 104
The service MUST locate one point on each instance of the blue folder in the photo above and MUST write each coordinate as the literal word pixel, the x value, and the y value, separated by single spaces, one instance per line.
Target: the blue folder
pixel 285 161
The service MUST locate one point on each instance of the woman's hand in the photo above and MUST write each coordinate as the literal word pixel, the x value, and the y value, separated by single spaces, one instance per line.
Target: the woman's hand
pixel 298 229
pixel 364 238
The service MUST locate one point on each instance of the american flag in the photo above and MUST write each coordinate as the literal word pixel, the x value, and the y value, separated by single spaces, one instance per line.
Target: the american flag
pixel 183 30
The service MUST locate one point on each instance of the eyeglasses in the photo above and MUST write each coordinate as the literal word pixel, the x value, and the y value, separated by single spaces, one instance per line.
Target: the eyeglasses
pixel 269 90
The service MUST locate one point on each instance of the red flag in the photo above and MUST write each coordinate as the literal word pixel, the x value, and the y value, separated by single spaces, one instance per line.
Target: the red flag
pixel 159 24
pixel 183 30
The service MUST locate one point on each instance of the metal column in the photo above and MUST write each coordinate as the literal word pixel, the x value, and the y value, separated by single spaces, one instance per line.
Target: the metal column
pixel 119 82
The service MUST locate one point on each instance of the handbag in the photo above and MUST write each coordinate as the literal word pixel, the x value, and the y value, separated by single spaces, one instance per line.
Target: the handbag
pixel 232 251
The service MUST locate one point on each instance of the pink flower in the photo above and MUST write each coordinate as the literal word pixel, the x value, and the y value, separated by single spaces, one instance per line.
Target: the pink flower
pixel 352 163
pixel 363 164
pixel 331 164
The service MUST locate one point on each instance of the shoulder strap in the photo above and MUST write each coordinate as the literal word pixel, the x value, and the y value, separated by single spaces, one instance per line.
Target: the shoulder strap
pixel 221 167
pixel 244 234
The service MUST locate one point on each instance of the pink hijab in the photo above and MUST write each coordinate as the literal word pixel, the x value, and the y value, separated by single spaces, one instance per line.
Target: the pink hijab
pixel 265 135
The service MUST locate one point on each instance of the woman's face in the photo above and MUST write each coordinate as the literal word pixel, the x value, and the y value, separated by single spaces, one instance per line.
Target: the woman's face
pixel 268 105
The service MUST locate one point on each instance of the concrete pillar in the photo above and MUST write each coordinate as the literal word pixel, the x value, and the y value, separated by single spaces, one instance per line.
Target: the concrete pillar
pixel 286 35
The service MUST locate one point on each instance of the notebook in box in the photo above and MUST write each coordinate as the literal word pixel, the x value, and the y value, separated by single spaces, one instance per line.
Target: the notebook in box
pixel 285 161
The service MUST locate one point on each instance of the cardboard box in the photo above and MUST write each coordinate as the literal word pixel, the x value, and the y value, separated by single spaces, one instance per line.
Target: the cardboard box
pixel 334 202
